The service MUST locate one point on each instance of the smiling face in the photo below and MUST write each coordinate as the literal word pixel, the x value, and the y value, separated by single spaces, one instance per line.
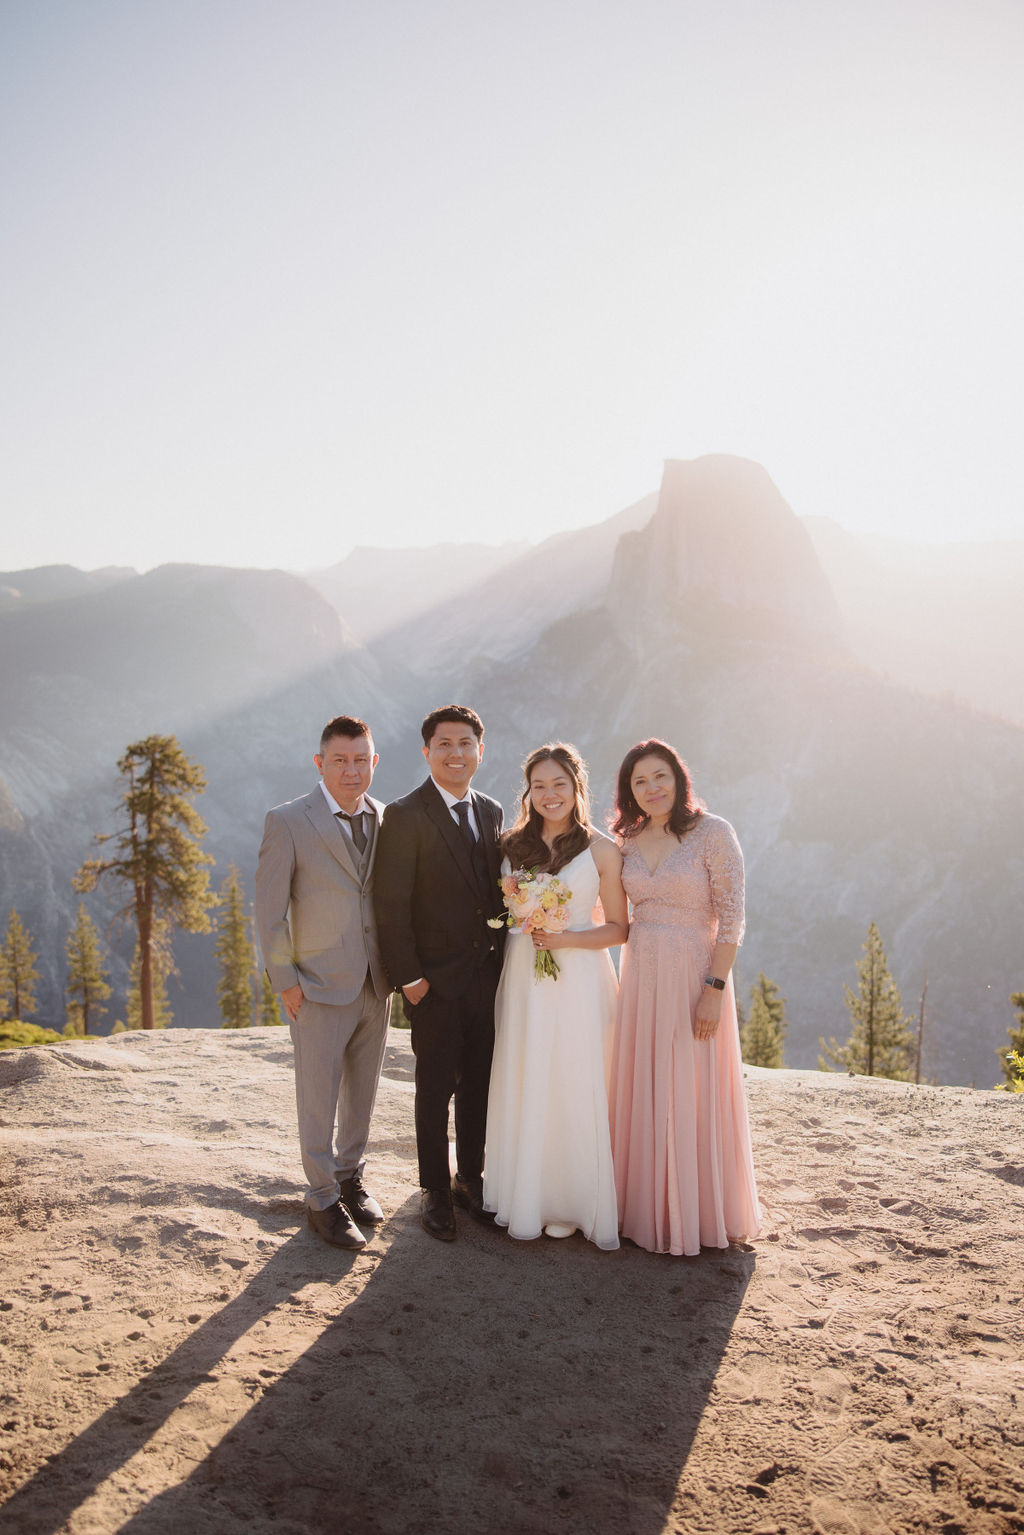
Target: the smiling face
pixel 453 755
pixel 654 786
pixel 552 791
pixel 346 765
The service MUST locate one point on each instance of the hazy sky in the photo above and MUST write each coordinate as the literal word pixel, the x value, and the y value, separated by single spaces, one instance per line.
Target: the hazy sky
pixel 280 278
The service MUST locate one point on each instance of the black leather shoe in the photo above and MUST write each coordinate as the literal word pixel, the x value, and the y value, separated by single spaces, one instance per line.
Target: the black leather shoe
pixel 437 1215
pixel 468 1194
pixel 336 1226
pixel 362 1207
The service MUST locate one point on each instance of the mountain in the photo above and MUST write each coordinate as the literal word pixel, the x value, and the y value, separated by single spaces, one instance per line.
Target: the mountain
pixel 724 550
pixel 376 590
pixel 242 665
pixel 500 616
pixel 705 614
pixel 855 799
pixel 947 619
pixel 52 583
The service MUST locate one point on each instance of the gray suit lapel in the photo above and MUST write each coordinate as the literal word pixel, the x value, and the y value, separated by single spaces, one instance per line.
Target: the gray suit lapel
pixel 334 839
pixel 373 830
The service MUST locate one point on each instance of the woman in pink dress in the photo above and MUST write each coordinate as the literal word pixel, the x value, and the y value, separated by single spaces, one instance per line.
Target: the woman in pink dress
pixel 684 1173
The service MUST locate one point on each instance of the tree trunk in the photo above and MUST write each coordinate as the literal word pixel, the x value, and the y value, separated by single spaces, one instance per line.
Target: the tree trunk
pixel 144 915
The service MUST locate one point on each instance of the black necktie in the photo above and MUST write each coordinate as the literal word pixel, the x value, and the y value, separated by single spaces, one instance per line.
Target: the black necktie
pixel 461 808
pixel 356 823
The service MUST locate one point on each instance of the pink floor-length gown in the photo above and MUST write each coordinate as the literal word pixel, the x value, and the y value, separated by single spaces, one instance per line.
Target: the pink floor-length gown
pixel 680 1135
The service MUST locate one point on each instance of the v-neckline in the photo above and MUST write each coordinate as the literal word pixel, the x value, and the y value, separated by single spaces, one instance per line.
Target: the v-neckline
pixel 663 859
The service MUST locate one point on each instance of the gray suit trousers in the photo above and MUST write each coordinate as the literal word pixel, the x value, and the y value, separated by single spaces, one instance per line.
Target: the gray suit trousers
pixel 339 1050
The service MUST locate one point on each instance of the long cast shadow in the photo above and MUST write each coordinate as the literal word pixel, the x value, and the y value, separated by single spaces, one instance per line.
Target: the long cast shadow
pixel 46 1501
pixel 463 1392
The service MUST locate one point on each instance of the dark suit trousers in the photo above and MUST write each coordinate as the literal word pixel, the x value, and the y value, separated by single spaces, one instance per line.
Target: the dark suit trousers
pixel 453 1042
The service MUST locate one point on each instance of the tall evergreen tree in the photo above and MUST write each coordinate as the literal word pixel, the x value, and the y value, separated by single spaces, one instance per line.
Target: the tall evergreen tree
pixel 18 970
pixel 1016 1045
pixel 162 967
pixel 1013 1066
pixel 157 852
pixel 234 950
pixel 87 988
pixel 270 1003
pixel 764 1029
pixel 881 1041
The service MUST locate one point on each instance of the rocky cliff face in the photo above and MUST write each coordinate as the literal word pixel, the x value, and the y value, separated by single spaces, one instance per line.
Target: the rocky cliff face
pixel 703 616
pixel 724 549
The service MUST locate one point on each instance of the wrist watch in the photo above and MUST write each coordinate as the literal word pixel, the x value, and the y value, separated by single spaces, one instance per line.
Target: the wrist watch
pixel 712 980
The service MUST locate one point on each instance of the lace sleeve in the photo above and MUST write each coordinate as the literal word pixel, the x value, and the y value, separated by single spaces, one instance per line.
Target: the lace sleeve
pixel 725 870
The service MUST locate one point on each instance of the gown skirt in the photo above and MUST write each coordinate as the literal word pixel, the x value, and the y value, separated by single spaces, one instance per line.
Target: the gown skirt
pixel 548 1159
pixel 680 1131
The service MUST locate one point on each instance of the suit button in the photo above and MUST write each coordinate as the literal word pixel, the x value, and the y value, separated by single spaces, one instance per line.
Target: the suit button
pixel 476 943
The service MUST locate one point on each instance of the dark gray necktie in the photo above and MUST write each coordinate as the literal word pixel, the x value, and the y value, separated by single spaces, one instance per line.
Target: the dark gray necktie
pixel 461 808
pixel 358 831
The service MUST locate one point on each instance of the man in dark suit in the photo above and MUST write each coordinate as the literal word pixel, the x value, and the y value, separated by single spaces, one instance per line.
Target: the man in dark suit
pixel 314 910
pixel 436 886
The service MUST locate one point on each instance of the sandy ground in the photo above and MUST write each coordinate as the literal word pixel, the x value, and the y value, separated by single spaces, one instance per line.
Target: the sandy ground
pixel 182 1356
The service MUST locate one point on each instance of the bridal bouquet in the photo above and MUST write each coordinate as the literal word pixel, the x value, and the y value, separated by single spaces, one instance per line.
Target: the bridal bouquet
pixel 536 903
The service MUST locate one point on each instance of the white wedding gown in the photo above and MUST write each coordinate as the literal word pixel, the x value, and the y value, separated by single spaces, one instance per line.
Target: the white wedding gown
pixel 548 1159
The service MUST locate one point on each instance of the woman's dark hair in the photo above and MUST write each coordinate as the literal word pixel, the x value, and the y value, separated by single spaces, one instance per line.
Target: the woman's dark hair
pixel 523 844
pixel 629 818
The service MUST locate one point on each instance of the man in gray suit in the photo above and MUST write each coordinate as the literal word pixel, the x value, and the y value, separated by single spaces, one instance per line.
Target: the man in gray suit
pixel 314 909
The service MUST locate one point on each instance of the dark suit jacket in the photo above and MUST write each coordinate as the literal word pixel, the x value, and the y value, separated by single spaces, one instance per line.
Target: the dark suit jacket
pixel 431 914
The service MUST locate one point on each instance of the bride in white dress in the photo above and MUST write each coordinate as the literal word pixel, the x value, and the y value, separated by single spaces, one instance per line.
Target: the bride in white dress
pixel 548 1162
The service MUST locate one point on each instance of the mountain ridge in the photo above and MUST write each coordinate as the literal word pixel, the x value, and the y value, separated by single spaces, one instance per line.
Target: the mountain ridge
pixel 856 798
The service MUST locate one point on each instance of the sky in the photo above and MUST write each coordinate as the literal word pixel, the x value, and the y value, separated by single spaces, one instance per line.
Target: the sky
pixel 280 279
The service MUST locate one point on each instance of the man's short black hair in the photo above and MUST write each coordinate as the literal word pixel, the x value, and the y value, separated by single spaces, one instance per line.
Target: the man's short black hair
pixel 455 714
pixel 343 725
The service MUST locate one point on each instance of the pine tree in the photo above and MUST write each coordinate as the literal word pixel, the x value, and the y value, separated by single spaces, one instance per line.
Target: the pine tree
pixel 1014 1069
pixel 881 1042
pixel 234 950
pixel 87 986
pixel 1016 1045
pixel 764 1030
pixel 157 853
pixel 18 970
pixel 162 967
pixel 270 1003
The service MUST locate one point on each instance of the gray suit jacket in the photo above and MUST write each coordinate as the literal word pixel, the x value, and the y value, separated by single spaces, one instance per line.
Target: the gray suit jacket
pixel 314 912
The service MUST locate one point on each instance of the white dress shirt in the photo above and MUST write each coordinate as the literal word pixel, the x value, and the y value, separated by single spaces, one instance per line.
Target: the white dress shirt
pixel 451 800
pixel 361 809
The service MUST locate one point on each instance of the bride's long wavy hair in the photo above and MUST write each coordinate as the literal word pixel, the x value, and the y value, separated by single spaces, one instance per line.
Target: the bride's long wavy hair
pixel 629 818
pixel 523 844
